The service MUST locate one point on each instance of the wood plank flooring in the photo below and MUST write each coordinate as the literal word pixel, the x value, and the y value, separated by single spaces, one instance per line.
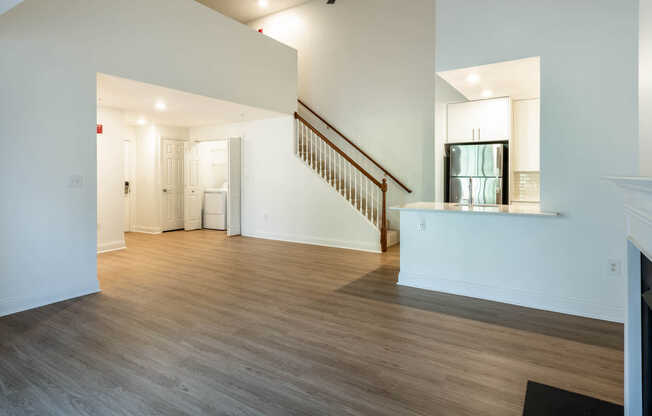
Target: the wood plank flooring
pixel 195 323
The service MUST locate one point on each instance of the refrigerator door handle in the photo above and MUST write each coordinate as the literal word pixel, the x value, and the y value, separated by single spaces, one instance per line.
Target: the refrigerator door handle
pixel 499 158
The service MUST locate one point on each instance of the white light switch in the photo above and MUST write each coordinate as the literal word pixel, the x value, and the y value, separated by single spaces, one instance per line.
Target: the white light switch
pixel 614 267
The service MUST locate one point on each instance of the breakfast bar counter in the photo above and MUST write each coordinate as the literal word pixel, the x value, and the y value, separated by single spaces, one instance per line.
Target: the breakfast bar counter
pixel 512 209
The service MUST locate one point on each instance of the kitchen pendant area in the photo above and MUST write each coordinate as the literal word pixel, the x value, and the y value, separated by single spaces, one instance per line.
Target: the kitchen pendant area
pixel 487 135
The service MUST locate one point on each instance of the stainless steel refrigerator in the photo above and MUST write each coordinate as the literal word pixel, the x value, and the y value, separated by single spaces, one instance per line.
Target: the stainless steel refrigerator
pixel 476 173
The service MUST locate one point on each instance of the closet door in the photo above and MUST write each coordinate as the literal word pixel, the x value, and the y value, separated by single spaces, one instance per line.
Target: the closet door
pixel 192 191
pixel 233 211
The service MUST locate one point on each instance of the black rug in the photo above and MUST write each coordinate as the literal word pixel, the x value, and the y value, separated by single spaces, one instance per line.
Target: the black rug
pixel 542 400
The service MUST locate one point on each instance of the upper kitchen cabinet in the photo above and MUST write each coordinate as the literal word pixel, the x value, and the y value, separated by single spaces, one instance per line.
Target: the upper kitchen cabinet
pixel 480 121
pixel 526 143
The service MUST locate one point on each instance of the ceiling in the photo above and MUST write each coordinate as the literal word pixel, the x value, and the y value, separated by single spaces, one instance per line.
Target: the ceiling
pixel 182 109
pixel 247 10
pixel 518 79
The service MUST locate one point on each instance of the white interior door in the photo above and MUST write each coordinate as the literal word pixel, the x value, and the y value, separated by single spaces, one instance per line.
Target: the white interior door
pixel 192 190
pixel 172 184
pixel 235 187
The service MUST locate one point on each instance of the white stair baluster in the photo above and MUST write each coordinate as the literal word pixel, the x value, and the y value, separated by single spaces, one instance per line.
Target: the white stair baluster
pixel 330 167
pixel 348 183
pixel 331 164
pixel 373 195
pixel 355 181
pixel 304 143
pixel 312 148
pixel 366 199
pixel 339 178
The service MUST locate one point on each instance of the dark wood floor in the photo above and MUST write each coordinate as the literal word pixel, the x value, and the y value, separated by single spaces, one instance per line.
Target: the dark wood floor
pixel 195 323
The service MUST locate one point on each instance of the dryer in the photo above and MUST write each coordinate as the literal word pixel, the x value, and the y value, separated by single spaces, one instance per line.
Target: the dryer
pixel 215 208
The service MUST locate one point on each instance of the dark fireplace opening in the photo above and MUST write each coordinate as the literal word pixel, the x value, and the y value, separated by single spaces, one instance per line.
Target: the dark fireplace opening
pixel 646 332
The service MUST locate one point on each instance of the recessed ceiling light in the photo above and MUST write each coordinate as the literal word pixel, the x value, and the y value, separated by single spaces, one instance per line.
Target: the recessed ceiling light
pixel 141 121
pixel 473 79
pixel 263 3
pixel 160 105
pixel 487 93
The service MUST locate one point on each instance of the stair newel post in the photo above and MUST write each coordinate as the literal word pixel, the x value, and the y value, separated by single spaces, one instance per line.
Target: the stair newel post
pixel 383 226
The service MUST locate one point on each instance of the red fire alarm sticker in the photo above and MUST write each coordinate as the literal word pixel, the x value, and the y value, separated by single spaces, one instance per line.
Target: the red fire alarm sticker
pixel 100 128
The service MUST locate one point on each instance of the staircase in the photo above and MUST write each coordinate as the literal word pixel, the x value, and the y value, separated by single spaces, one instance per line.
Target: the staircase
pixel 366 194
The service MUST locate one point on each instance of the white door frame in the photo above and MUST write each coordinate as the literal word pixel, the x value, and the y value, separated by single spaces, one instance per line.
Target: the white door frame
pixel 234 222
pixel 131 227
pixel 227 139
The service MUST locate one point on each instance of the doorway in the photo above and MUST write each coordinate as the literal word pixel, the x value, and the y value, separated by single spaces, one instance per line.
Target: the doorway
pixel 201 184
pixel 151 142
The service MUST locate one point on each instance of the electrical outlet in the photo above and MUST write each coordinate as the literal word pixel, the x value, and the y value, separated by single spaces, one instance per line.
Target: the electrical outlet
pixel 266 217
pixel 421 226
pixel 614 267
pixel 76 181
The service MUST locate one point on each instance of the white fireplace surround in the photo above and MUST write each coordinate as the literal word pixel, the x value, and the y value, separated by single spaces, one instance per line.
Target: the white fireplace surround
pixel 638 226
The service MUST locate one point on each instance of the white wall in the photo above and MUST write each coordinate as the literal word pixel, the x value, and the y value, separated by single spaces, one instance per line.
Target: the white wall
pixel 51 53
pixel 444 94
pixel 588 130
pixel 148 180
pixel 110 178
pixel 367 66
pixel 282 198
pixel 213 164
pixel 645 87
pixel 8 4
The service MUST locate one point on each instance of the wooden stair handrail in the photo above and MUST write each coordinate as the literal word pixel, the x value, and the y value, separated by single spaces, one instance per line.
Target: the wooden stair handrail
pixel 330 126
pixel 338 150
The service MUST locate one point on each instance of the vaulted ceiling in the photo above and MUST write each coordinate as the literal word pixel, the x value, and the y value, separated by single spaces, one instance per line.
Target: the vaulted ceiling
pixel 248 10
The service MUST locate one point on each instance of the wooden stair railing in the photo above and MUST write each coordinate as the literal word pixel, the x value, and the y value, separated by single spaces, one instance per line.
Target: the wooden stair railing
pixel 367 194
pixel 356 147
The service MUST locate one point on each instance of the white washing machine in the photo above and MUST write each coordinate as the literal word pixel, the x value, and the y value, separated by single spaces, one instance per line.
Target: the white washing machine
pixel 215 208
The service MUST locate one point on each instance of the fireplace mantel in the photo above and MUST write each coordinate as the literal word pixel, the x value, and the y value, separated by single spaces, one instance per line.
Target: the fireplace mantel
pixel 638 220
pixel 638 211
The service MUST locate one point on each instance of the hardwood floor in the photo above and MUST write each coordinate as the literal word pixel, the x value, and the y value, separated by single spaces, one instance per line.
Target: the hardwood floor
pixel 195 323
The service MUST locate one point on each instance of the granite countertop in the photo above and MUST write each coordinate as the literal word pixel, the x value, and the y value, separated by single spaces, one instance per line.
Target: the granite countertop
pixel 513 209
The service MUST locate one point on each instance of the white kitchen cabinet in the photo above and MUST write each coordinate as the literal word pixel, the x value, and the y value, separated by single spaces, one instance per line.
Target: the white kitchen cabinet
pixel 526 143
pixel 479 121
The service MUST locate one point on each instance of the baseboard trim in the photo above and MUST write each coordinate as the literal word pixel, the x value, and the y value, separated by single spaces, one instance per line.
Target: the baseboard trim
pixel 10 306
pixel 113 246
pixel 349 245
pixel 147 230
pixel 519 297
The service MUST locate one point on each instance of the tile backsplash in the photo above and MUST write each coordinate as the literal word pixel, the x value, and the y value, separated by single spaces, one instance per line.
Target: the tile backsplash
pixel 527 186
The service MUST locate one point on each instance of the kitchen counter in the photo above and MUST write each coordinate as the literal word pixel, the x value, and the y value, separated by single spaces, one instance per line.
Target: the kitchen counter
pixel 513 209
